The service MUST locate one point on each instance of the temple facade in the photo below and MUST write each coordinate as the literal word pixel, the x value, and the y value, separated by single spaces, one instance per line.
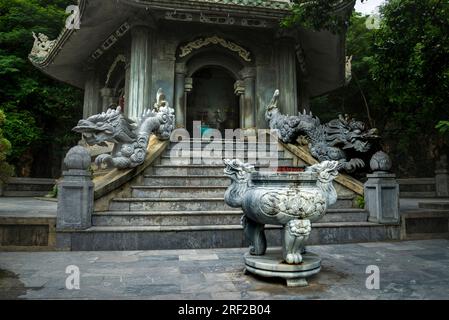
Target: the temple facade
pixel 218 61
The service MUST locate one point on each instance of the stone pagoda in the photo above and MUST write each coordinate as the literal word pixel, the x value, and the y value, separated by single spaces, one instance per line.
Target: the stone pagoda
pixel 218 61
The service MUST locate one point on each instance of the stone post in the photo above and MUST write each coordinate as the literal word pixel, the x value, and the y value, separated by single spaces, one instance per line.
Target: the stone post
pixel 92 103
pixel 75 192
pixel 180 95
pixel 287 82
pixel 140 71
pixel 247 110
pixel 382 191
pixel 442 177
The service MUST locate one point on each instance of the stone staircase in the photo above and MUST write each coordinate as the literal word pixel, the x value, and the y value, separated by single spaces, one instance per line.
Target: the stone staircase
pixel 27 187
pixel 417 188
pixel 179 204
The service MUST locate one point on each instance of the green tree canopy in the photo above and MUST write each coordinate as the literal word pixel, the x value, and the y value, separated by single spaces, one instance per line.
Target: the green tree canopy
pixel 400 76
pixel 39 111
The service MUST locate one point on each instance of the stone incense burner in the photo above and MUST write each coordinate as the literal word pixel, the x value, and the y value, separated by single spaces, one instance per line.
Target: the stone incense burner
pixel 290 199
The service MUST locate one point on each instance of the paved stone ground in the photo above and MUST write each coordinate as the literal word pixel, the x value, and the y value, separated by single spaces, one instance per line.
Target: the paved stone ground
pixel 408 270
pixel 26 207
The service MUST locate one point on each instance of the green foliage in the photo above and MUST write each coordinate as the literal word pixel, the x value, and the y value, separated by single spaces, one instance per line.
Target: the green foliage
pixel 53 193
pixel 410 65
pixel 360 200
pixel 39 111
pixel 317 15
pixel 21 129
pixel 400 81
pixel 6 170
pixel 443 127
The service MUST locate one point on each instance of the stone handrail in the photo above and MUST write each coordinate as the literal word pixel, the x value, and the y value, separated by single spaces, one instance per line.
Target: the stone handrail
pixel 344 179
pixel 116 178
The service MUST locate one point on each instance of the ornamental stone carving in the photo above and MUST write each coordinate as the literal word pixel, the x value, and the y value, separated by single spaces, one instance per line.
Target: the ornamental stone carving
pixel 41 47
pixel 380 162
pixel 130 138
pixel 331 141
pixel 292 200
pixel 78 158
pixel 214 40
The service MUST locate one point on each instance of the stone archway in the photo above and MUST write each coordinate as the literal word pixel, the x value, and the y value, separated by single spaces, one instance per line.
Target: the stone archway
pixel 242 72
pixel 212 100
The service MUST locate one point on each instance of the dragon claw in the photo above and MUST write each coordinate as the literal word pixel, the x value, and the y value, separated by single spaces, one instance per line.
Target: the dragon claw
pixel 103 159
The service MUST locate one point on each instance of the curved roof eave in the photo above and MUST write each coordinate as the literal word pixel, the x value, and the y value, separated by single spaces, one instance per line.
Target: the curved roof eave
pixel 73 48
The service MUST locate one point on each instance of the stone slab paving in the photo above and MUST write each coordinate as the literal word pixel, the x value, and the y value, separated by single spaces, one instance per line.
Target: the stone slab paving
pixel 25 207
pixel 408 270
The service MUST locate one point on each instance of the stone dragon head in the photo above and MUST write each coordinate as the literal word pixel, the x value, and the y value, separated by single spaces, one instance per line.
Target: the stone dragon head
pixel 347 133
pixel 110 126
pixel 326 171
pixel 237 170
pixel 240 174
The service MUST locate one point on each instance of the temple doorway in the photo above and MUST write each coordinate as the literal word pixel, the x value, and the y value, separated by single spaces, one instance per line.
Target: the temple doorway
pixel 212 100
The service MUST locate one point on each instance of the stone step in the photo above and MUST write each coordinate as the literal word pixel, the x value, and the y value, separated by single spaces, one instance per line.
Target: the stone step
pixel 179 218
pixel 213 236
pixel 425 223
pixel 434 204
pixel 177 191
pixel 27 187
pixel 417 194
pixel 252 145
pixel 417 188
pixel 345 215
pixel 164 160
pixel 33 231
pixel 194 180
pixel 344 202
pixel 189 170
pixel 169 204
pixel 228 154
pixel 166 218
pixel 188 203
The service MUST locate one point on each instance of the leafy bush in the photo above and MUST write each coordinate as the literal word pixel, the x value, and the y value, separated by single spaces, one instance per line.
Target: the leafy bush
pixel 6 170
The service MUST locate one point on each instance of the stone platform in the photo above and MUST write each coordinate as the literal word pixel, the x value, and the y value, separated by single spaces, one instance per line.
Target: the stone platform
pixel 272 265
pixel 27 224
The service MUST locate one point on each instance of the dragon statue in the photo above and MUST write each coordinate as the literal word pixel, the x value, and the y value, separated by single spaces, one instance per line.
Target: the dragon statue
pixel 130 138
pixel 294 207
pixel 332 141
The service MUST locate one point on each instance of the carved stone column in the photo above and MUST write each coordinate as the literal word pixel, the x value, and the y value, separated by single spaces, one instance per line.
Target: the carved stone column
pixel 92 103
pixel 247 113
pixel 140 71
pixel 287 82
pixel 180 95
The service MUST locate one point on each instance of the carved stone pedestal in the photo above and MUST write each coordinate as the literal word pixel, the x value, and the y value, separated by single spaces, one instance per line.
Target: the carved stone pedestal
pixel 272 265
pixel 75 192
pixel 382 198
